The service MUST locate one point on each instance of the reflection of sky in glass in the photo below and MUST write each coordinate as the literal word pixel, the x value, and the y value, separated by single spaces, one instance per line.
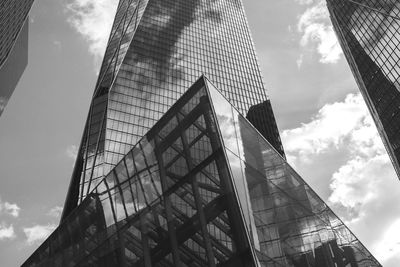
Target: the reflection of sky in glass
pixel 379 35
pixel 176 42
pixel 155 52
pixel 284 216
pixel 370 36
pixel 197 199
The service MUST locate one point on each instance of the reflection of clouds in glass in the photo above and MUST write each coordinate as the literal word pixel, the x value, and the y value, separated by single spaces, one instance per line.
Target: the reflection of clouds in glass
pixel 274 199
pixel 379 35
pixel 175 43
pixel 160 76
pixel 119 210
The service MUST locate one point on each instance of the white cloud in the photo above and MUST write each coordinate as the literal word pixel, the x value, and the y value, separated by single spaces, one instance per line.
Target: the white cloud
pixel 317 32
pixel 55 212
pixel 38 233
pixel 345 126
pixel 361 185
pixel 93 20
pixel 6 232
pixel 354 185
pixel 328 129
pixel 304 2
pixel 11 209
pixel 72 151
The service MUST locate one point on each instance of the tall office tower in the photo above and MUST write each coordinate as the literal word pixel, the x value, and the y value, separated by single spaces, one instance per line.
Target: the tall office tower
pixel 13 45
pixel 369 33
pixel 202 188
pixel 156 50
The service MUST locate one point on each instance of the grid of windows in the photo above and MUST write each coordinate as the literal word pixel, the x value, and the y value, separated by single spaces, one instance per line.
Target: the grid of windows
pixel 157 49
pixel 202 188
pixel 168 202
pixel 13 14
pixel 369 32
pixel 13 45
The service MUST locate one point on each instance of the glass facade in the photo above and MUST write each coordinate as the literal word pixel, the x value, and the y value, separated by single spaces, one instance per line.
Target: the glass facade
pixel 13 45
pixel 156 50
pixel 369 33
pixel 202 188
pixel 13 14
pixel 289 222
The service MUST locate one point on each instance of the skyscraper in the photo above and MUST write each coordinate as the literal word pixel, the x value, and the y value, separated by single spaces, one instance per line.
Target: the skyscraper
pixel 202 188
pixel 156 50
pixel 13 45
pixel 369 34
pixel 172 173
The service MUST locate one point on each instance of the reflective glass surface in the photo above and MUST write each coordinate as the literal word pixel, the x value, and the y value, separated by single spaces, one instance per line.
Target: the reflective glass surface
pixel 156 50
pixel 169 202
pixel 202 188
pixel 13 46
pixel 289 223
pixel 369 32
pixel 13 14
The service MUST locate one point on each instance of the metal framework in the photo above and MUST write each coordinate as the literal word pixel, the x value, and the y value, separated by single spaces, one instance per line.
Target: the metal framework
pixel 183 197
pixel 156 50
pixel 373 9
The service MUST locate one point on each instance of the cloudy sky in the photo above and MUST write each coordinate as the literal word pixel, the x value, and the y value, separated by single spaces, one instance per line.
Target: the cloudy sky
pixel 327 133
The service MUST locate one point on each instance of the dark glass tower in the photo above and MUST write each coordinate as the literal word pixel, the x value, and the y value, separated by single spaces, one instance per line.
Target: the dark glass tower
pixel 202 188
pixel 13 45
pixel 156 50
pixel 369 33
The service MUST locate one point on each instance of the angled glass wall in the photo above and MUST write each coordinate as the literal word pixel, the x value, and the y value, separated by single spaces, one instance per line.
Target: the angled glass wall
pixel 13 15
pixel 290 224
pixel 369 33
pixel 169 202
pixel 14 26
pixel 202 188
pixel 156 50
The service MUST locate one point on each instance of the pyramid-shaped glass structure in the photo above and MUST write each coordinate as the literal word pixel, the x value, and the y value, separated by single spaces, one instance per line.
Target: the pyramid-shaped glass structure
pixel 156 50
pixel 202 188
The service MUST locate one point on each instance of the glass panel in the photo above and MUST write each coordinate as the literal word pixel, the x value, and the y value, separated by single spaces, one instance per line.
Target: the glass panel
pixel 370 37
pixel 193 219
pixel 289 223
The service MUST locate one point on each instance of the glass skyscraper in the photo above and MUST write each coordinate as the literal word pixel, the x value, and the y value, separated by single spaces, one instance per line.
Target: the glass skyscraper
pixel 156 50
pixel 369 33
pixel 177 170
pixel 13 45
pixel 202 188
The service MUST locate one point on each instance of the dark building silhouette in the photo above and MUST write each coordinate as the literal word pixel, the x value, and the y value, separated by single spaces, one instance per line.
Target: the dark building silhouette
pixel 262 117
pixel 13 45
pixel 368 32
